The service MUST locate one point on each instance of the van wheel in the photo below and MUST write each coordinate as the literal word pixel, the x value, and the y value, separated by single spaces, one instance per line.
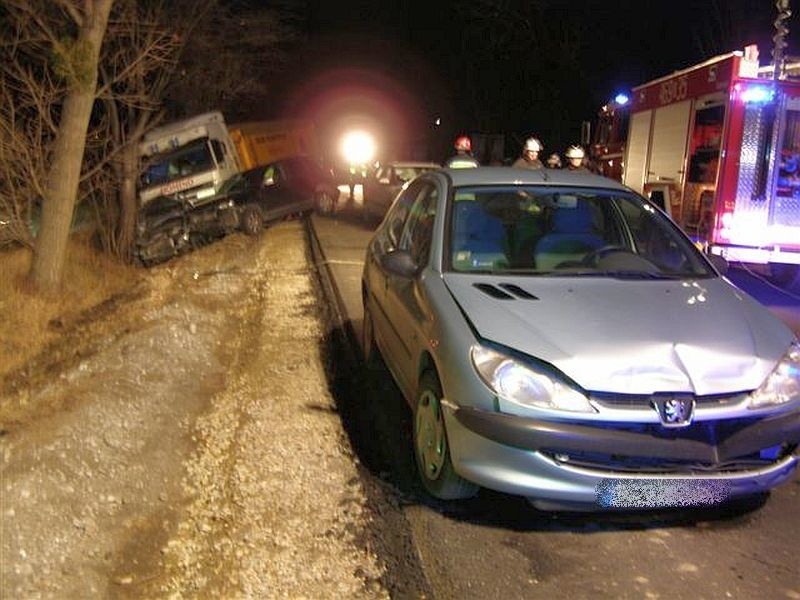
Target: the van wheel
pixel 252 220
pixel 324 203
pixel 431 449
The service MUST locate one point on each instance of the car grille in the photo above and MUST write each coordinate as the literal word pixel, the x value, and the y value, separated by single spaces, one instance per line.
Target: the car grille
pixel 712 433
pixel 644 400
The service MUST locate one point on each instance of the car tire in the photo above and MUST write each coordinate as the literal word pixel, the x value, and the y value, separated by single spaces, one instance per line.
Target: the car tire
pixel 372 356
pixel 324 203
pixel 252 221
pixel 431 448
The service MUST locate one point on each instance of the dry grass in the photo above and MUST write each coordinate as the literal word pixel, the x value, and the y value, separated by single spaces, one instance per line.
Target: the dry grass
pixel 26 318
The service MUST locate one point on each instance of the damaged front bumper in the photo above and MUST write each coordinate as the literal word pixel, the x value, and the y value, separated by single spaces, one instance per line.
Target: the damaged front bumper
pixel 621 465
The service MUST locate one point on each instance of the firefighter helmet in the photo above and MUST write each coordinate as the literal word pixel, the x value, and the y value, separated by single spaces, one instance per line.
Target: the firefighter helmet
pixel 533 145
pixel 575 151
pixel 463 144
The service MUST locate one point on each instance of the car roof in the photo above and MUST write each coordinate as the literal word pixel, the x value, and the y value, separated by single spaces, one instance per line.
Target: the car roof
pixel 514 176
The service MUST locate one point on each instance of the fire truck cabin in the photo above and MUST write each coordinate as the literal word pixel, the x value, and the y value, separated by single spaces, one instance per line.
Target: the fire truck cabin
pixel 717 146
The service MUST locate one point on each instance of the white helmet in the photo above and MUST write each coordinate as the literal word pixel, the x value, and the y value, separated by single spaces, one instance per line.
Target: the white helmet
pixel 574 152
pixel 533 145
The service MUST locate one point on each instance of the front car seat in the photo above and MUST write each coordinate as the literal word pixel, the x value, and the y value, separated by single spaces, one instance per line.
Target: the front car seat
pixel 478 237
pixel 572 236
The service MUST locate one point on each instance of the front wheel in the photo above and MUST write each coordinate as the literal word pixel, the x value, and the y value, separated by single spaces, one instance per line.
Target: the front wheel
pixel 371 353
pixel 252 220
pixel 431 449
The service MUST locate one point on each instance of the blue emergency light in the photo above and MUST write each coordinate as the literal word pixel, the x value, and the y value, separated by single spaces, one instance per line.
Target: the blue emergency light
pixel 758 94
pixel 621 99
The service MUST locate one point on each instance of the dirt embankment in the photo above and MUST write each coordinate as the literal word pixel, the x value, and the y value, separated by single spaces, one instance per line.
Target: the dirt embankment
pixel 186 444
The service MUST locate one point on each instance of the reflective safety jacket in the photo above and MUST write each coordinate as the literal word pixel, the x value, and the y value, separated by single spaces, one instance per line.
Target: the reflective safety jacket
pixel 461 161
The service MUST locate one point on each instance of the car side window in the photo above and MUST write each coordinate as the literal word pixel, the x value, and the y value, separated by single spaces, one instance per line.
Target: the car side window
pixel 397 215
pixel 270 176
pixel 418 230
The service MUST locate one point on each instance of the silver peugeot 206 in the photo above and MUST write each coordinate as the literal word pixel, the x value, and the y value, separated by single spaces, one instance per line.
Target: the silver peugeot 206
pixel 558 337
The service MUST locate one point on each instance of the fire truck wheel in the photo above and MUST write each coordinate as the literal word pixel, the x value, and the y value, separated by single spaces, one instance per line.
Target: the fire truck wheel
pixel 787 276
pixel 252 220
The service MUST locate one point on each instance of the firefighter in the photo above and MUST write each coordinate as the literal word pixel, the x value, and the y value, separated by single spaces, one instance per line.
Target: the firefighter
pixel 554 161
pixel 575 159
pixel 358 174
pixel 463 157
pixel 530 155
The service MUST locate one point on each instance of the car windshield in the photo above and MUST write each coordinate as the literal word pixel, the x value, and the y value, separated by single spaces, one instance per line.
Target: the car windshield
pixel 195 157
pixel 551 231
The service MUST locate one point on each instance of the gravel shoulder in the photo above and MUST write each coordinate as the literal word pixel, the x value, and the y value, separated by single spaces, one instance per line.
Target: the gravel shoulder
pixel 187 444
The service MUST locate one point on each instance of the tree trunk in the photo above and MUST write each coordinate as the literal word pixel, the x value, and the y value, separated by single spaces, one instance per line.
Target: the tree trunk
pixel 64 175
pixel 128 202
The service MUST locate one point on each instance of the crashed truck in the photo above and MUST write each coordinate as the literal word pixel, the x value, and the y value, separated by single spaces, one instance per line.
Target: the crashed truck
pixel 717 146
pixel 187 167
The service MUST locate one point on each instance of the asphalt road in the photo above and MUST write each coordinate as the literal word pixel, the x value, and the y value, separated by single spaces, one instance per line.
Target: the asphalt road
pixel 497 546
pixel 784 302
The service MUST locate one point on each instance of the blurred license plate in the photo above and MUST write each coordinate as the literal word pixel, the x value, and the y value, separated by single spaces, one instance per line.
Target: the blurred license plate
pixel 657 493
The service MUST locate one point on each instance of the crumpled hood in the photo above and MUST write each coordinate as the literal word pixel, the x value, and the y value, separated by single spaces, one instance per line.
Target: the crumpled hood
pixel 634 337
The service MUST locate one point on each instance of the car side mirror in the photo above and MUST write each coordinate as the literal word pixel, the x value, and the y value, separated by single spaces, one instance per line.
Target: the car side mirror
pixel 399 262
pixel 719 263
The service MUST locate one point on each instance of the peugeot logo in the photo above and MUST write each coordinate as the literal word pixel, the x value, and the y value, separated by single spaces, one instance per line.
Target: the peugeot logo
pixel 674 411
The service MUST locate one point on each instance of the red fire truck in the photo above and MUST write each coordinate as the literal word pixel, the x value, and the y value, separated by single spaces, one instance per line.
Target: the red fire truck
pixel 717 145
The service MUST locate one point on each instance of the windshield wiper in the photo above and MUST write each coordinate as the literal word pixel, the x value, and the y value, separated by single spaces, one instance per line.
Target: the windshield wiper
pixel 616 274
pixel 623 274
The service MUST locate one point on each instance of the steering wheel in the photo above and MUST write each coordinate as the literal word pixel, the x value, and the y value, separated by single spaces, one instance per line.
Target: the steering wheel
pixel 595 256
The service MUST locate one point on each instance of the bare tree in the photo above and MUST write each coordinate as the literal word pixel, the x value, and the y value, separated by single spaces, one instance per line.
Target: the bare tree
pixel 73 39
pixel 231 61
pixel 26 134
pixel 136 62
pixel 196 53
pixel 52 54
pixel 143 47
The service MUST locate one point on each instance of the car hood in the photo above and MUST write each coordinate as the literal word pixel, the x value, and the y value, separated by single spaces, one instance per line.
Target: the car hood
pixel 701 336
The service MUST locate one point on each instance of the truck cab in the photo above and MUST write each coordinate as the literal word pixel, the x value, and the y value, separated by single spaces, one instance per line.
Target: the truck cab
pixel 188 159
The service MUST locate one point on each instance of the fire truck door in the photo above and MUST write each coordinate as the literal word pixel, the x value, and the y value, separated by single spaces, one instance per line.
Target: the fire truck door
pixel 638 147
pixel 668 146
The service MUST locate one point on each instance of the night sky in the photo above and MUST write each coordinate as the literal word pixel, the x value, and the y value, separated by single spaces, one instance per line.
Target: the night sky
pixel 517 67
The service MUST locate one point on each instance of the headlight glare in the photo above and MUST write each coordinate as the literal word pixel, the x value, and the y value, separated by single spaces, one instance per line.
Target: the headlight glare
pixel 205 193
pixel 524 385
pixel 783 384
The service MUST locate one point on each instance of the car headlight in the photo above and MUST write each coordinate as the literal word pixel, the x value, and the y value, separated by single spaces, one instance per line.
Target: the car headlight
pixel 783 384
pixel 205 193
pixel 524 385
